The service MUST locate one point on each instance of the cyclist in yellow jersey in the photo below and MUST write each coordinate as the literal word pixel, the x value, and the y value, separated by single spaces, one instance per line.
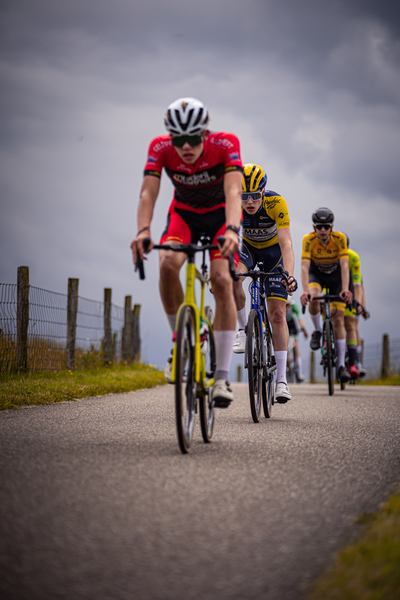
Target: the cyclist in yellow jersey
pixel 266 238
pixel 351 316
pixel 325 264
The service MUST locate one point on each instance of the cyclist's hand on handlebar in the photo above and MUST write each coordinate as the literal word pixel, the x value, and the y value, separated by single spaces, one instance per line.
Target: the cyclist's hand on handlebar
pixel 139 248
pixel 359 309
pixel 290 284
pixel 346 296
pixel 231 243
pixel 305 298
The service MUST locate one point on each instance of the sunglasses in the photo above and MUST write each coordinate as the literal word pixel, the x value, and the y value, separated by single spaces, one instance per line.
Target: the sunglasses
pixel 320 226
pixel 247 196
pixel 180 140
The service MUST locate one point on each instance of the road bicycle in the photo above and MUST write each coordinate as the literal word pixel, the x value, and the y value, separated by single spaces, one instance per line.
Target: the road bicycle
pixel 259 358
pixel 193 359
pixel 328 346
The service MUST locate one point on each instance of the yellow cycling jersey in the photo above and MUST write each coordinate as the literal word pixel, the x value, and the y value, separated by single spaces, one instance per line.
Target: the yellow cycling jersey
pixel 354 267
pixel 260 229
pixel 325 259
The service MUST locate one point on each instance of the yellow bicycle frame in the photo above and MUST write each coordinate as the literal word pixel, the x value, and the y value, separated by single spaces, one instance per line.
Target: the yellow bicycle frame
pixel 192 273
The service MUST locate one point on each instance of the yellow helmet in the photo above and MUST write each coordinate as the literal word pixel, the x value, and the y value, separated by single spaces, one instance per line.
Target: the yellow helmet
pixel 253 178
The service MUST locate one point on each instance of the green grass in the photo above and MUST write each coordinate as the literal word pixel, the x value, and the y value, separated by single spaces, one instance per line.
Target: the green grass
pixel 369 569
pixel 394 380
pixel 34 389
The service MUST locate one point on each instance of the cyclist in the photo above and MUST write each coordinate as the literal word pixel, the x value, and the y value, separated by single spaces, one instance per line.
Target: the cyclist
pixel 325 264
pixel 267 238
pixel 360 367
pixel 205 169
pixel 350 320
pixel 295 325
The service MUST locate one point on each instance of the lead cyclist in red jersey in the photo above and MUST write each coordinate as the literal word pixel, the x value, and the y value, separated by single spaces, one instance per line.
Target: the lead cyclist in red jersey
pixel 206 171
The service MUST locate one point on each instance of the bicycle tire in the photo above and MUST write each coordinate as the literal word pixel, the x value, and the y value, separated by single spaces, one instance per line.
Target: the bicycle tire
pixel 207 408
pixel 329 357
pixel 254 364
pixel 268 384
pixel 185 382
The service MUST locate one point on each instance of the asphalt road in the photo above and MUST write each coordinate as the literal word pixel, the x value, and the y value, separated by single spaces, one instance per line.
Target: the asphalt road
pixel 98 503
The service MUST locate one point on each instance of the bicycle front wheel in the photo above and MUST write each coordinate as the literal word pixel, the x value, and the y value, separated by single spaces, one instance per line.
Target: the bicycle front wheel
pixel 268 389
pixel 185 382
pixel 207 408
pixel 255 364
pixel 328 341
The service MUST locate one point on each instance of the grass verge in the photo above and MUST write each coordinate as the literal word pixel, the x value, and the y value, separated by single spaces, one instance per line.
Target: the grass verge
pixel 369 569
pixel 34 389
pixel 395 380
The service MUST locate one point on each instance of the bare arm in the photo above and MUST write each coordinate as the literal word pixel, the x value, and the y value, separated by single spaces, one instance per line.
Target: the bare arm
pixel 148 197
pixel 286 246
pixel 305 281
pixel 344 267
pixel 233 210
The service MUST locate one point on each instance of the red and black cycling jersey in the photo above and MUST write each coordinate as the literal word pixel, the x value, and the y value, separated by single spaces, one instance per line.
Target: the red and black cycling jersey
pixel 198 187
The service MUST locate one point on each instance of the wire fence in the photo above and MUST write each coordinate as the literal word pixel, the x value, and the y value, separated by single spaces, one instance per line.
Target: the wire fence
pixel 47 330
pixel 372 360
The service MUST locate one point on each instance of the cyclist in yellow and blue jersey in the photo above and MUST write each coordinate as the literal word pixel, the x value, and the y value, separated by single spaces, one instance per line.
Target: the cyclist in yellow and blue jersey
pixel 266 238
pixel 325 264
pixel 350 315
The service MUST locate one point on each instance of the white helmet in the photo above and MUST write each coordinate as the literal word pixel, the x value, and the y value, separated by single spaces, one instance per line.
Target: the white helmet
pixel 186 116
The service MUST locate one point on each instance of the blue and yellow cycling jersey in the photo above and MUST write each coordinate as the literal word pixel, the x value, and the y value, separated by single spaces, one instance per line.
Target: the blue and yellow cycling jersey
pixel 260 229
pixel 325 260
pixel 354 267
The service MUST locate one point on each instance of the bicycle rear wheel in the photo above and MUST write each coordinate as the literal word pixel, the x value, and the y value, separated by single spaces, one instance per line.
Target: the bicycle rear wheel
pixel 207 408
pixel 327 333
pixel 254 364
pixel 185 382
pixel 268 388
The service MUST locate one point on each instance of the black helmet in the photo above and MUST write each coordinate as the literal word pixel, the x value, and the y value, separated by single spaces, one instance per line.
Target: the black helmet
pixel 323 215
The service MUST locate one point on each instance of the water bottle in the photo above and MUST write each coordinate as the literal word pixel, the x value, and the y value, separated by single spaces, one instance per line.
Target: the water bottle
pixel 204 333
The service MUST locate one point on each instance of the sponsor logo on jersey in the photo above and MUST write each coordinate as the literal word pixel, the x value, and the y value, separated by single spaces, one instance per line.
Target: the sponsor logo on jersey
pixel 196 179
pixel 234 155
pixel 281 215
pixel 221 142
pixel 151 159
pixel 162 145
pixel 183 167
pixel 272 203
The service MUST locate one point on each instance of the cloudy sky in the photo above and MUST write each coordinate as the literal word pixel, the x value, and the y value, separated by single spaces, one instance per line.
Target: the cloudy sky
pixel 312 90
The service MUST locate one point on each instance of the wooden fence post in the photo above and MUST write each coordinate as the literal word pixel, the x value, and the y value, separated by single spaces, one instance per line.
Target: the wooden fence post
pixel 312 365
pixel 108 345
pixel 136 342
pixel 385 370
pixel 72 311
pixel 22 317
pixel 127 348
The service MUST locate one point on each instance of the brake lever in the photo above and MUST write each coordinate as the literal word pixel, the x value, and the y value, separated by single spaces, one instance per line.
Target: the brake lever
pixel 139 266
